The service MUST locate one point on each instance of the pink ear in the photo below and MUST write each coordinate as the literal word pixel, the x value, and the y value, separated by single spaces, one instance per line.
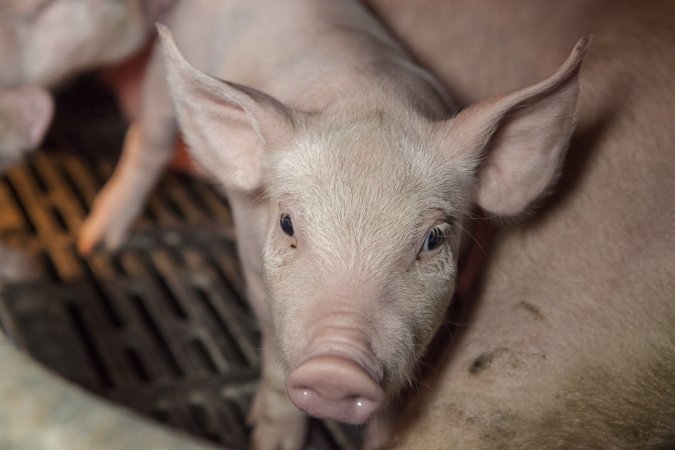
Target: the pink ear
pixel 521 137
pixel 228 127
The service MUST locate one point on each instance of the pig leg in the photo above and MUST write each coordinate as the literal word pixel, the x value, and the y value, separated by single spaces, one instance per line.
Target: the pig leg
pixel 147 150
pixel 276 423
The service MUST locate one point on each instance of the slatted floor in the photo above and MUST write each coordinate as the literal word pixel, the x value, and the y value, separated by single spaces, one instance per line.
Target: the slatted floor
pixel 160 326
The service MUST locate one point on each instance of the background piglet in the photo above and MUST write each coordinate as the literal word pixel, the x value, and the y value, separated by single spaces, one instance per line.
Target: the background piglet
pixel 43 42
pixel 350 177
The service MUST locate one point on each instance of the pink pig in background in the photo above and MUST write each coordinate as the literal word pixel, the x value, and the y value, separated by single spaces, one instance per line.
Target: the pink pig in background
pixel 43 42
pixel 350 175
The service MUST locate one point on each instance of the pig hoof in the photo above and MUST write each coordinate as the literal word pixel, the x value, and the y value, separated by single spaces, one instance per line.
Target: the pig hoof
pixel 277 424
pixel 93 234
pixel 109 220
pixel 85 242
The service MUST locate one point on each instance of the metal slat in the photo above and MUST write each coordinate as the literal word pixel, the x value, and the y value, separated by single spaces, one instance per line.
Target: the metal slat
pixel 63 200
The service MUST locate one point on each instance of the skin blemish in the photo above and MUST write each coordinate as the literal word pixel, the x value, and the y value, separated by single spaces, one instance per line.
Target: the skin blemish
pixel 485 360
pixel 481 363
pixel 531 309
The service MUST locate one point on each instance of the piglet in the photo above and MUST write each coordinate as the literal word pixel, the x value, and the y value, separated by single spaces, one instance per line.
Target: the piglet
pixel 43 42
pixel 350 174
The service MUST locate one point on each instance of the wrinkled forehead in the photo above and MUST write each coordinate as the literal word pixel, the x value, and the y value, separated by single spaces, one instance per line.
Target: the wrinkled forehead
pixel 373 166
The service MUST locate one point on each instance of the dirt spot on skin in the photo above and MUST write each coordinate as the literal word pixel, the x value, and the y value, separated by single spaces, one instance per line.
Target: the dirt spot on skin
pixel 505 360
pixel 531 309
pixel 481 363
pixel 484 361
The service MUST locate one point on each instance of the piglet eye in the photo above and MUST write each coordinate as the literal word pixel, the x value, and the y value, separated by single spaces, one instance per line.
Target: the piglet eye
pixel 286 224
pixel 433 240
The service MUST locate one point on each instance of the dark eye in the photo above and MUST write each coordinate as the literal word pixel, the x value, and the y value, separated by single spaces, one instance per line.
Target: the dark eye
pixel 286 224
pixel 434 239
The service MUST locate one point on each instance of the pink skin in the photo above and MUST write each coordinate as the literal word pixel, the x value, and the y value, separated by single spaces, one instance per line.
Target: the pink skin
pixel 568 342
pixel 48 41
pixel 366 164
pixel 125 80
pixel 339 377
pixel 25 113
pixel 43 42
pixel 335 387
pixel 366 152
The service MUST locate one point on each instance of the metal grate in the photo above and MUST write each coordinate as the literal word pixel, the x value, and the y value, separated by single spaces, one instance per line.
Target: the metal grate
pixel 160 326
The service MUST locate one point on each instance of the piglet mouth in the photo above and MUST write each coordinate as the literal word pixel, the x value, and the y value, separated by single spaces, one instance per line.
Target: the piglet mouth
pixel 331 386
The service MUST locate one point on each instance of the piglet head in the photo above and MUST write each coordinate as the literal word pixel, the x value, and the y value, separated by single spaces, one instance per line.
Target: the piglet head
pixel 364 214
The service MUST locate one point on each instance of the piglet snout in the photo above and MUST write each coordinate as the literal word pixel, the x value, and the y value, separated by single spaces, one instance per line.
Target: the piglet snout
pixel 334 387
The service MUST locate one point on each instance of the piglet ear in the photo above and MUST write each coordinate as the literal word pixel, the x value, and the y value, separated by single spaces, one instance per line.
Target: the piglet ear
pixel 228 127
pixel 521 138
